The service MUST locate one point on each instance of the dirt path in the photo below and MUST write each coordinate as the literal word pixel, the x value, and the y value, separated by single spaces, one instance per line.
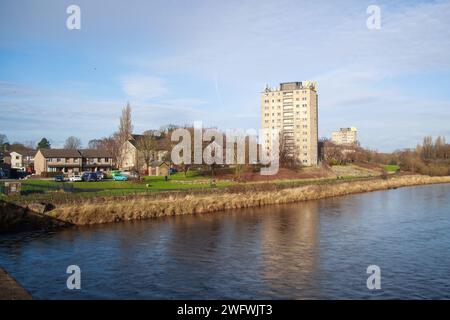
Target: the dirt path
pixel 10 289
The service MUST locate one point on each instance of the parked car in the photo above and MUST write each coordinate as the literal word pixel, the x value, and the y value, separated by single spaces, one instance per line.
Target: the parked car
pixel 75 178
pixel 22 175
pixel 59 178
pixel 131 174
pixel 100 175
pixel 173 170
pixel 89 176
pixel 120 177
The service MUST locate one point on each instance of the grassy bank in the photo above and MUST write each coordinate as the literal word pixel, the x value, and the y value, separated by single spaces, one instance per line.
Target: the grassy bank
pixel 93 211
pixel 51 191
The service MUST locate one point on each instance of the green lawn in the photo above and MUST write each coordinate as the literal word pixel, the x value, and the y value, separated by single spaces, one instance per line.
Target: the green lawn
pixel 190 175
pixel 43 188
pixel 391 168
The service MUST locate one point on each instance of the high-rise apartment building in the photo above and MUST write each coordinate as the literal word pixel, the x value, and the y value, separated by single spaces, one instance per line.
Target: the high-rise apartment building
pixel 291 109
pixel 344 136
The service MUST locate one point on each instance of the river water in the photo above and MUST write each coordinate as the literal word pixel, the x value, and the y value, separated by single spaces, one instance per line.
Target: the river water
pixel 315 249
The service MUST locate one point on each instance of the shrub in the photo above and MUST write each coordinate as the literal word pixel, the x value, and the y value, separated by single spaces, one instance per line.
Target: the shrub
pixel 48 174
pixel 393 163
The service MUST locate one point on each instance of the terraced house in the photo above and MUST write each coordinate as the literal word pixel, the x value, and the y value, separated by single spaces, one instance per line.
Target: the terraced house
pixel 72 161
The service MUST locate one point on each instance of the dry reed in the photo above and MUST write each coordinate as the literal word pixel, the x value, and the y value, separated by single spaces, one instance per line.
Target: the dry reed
pixel 90 212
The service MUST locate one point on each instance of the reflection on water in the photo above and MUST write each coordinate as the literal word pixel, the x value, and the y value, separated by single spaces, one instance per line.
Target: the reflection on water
pixel 316 249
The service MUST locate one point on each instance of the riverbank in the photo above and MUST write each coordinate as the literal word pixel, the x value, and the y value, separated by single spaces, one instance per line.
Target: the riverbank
pixel 15 217
pixel 62 213
pixel 144 207
pixel 10 289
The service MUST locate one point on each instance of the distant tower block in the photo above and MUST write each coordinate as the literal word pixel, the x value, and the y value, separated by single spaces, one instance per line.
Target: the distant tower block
pixel 345 136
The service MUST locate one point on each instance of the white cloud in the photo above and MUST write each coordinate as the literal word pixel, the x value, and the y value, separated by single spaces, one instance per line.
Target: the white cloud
pixel 143 88
pixel 9 89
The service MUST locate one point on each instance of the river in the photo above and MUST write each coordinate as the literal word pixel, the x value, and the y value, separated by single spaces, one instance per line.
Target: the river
pixel 315 249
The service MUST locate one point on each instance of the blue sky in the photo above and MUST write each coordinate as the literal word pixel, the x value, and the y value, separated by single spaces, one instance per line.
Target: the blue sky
pixel 180 61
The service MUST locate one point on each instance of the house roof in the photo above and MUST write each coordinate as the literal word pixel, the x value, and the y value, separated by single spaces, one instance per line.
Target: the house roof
pixel 60 153
pixel 30 153
pixel 72 153
pixel 26 153
pixel 159 142
pixel 155 163
pixel 136 136
pixel 94 153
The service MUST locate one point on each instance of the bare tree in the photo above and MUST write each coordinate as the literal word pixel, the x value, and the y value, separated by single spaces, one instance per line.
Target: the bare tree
pixel 110 144
pixel 146 148
pixel 125 125
pixel 289 153
pixel 72 143
pixel 427 147
pixel 440 148
pixel 3 139
pixel 125 131
pixel 95 143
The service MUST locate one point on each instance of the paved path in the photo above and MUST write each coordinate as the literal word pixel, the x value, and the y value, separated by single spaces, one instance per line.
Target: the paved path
pixel 10 289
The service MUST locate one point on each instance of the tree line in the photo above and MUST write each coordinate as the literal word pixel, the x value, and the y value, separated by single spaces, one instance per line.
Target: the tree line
pixel 431 157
